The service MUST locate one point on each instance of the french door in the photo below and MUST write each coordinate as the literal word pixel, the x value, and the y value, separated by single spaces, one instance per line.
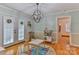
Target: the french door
pixel 8 30
pixel 21 30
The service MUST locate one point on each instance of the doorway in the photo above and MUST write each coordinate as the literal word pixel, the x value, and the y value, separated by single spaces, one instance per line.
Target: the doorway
pixel 13 31
pixel 21 30
pixel 8 30
pixel 64 29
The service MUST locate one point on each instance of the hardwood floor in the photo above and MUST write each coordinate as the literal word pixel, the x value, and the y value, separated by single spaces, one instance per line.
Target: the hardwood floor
pixel 61 48
pixel 14 50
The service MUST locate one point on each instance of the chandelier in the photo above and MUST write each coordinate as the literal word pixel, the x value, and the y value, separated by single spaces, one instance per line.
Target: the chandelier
pixel 37 14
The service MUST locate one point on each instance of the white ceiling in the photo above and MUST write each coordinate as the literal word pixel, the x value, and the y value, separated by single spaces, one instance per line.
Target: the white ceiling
pixel 44 7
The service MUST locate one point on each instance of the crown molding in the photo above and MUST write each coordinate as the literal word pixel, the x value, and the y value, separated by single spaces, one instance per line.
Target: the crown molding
pixel 66 11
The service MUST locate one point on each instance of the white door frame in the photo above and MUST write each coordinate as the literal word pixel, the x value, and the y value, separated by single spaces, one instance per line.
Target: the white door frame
pixel 57 27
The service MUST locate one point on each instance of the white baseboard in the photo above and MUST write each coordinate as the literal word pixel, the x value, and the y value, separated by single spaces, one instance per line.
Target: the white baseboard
pixel 13 43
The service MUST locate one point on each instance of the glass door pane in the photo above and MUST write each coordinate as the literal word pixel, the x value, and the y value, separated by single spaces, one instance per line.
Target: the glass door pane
pixel 21 30
pixel 8 29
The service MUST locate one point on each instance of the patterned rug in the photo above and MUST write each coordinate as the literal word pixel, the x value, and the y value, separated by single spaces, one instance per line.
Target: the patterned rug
pixel 41 51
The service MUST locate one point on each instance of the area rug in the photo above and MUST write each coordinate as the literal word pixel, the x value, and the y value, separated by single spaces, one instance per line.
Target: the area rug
pixel 41 51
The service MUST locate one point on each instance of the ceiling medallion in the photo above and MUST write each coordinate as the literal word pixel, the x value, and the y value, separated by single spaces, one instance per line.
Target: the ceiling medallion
pixel 37 14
